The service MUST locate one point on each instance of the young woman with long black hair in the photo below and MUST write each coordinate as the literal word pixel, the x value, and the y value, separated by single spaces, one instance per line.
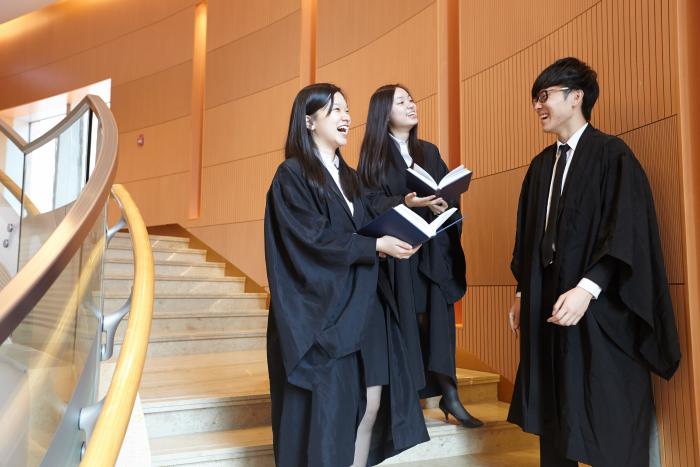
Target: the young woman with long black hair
pixel 427 285
pixel 328 337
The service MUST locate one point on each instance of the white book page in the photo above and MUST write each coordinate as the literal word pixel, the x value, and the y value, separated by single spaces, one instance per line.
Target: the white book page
pixel 439 220
pixel 415 219
pixel 455 174
pixel 419 172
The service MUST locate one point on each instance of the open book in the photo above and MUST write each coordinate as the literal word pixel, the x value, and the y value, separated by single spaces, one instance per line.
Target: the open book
pixel 451 186
pixel 406 225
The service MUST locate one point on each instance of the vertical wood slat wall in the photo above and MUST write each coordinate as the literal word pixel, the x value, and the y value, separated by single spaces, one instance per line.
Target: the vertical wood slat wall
pixel 631 44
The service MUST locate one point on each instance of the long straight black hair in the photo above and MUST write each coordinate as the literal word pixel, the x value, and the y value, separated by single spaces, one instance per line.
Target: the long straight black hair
pixel 300 144
pixel 375 155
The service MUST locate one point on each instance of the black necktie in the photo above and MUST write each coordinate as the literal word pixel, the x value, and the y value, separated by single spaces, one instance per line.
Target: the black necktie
pixel 550 232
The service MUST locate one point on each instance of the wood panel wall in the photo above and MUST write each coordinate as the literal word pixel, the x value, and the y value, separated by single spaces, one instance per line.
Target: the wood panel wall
pixel 252 76
pixel 145 48
pixel 384 42
pixel 632 45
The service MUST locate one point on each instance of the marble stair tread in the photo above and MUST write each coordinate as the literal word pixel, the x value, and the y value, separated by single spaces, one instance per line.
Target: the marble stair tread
pixel 181 336
pixel 489 412
pixel 183 249
pixel 521 458
pixel 200 379
pixel 241 374
pixel 154 237
pixel 191 296
pixel 466 377
pixel 167 277
pixel 204 313
pixel 212 446
pixel 210 264
pixel 250 442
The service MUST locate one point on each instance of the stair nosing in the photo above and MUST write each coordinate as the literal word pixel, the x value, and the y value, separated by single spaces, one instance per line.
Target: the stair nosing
pixel 188 336
pixel 199 251
pixel 173 404
pixel 170 277
pixel 155 237
pixel 204 314
pixel 161 295
pixel 212 264
pixel 436 429
pixel 218 453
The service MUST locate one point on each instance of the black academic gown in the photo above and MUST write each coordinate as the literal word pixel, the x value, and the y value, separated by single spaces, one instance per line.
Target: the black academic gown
pixel 431 281
pixel 589 384
pixel 323 282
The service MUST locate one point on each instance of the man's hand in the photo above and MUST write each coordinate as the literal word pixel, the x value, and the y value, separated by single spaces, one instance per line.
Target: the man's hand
pixel 570 307
pixel 514 316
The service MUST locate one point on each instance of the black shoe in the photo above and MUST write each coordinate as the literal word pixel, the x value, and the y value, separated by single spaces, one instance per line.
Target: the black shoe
pixel 468 422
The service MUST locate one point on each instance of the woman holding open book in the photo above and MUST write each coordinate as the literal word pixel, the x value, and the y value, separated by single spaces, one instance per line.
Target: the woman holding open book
pixel 331 350
pixel 426 286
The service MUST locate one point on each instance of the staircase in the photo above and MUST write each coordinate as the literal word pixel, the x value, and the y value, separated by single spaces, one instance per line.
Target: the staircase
pixel 205 391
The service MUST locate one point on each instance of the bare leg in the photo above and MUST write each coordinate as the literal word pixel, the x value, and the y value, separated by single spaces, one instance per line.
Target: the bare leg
pixel 364 430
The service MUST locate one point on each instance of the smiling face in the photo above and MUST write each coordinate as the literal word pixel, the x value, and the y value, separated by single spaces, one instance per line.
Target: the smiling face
pixel 330 129
pixel 560 113
pixel 403 116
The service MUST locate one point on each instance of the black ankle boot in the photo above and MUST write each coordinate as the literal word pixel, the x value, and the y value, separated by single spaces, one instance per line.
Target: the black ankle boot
pixel 453 407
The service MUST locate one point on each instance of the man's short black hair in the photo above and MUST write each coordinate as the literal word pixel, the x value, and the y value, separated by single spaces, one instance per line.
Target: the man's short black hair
pixel 572 73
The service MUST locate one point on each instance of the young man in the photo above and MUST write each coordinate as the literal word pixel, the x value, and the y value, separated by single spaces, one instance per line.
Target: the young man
pixel 593 306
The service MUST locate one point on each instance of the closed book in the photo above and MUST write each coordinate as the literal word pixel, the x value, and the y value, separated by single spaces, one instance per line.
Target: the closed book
pixel 406 225
pixel 450 186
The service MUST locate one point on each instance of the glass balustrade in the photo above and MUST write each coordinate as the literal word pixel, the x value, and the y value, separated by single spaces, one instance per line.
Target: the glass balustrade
pixel 49 364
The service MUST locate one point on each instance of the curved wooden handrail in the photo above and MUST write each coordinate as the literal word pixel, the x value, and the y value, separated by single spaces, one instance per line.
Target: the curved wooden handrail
pixel 31 283
pixel 16 191
pixel 106 440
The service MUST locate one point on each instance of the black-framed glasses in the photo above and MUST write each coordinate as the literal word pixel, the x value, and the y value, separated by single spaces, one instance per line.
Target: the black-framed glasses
pixel 543 95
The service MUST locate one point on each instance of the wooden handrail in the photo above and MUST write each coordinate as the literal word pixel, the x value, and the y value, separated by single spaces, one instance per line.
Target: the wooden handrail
pixel 16 191
pixel 105 443
pixel 31 283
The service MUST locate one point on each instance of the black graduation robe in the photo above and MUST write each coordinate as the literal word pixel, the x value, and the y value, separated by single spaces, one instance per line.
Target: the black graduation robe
pixel 323 283
pixel 590 383
pixel 433 279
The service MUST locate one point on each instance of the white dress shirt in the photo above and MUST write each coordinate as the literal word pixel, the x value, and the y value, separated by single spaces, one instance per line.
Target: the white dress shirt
pixel 586 284
pixel 332 163
pixel 403 149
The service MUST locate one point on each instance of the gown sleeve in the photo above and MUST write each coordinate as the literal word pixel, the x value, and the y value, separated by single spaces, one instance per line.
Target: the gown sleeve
pixel 629 235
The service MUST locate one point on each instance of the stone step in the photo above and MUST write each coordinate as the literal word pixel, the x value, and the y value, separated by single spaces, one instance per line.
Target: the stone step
pixel 183 255
pixel 246 447
pixel 160 241
pixel 230 391
pixel 123 267
pixel 492 445
pixel 186 322
pixel 449 439
pixel 211 303
pixel 474 386
pixel 179 284
pixel 203 393
pixel 520 458
pixel 165 343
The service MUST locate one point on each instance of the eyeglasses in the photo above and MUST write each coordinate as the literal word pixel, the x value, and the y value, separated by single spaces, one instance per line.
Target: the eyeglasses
pixel 543 95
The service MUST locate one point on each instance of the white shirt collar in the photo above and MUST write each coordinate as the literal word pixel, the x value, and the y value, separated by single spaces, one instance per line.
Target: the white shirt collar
pixel 329 159
pixel 573 140
pixel 400 141
pixel 403 150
